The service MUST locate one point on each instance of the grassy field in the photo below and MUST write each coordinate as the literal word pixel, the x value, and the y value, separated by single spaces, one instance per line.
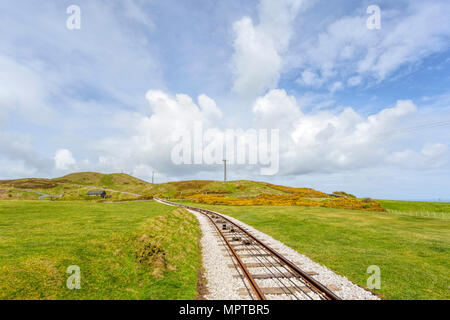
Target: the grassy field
pixel 416 206
pixel 413 253
pixel 125 251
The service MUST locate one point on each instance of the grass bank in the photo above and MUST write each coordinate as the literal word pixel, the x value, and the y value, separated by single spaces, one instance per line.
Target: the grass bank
pixel 125 251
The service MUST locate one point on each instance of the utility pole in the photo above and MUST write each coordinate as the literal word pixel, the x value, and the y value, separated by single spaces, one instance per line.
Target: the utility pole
pixel 224 170
pixel 153 177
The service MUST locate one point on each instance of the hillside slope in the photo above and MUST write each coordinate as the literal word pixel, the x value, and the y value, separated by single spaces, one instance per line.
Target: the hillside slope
pixel 113 180
pixel 120 186
pixel 125 182
pixel 74 186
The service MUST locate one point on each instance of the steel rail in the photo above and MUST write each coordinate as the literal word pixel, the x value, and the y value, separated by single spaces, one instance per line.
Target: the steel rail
pixel 253 284
pixel 317 287
pixel 237 268
pixel 277 266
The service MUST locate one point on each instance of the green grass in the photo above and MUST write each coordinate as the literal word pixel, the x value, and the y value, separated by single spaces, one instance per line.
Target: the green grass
pixel 75 185
pixel 239 188
pixel 111 243
pixel 14 194
pixel 412 252
pixel 416 206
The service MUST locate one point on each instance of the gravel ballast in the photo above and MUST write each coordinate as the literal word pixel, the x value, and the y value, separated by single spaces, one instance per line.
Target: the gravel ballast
pixel 221 282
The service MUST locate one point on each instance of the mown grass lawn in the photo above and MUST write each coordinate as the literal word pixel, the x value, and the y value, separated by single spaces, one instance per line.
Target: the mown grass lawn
pixel 140 250
pixel 413 253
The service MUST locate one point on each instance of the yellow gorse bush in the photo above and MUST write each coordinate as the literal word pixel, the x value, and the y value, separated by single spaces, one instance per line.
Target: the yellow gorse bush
pixel 302 192
pixel 290 200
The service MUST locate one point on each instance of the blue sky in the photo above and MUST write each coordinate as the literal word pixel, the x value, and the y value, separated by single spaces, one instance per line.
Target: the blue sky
pixel 108 97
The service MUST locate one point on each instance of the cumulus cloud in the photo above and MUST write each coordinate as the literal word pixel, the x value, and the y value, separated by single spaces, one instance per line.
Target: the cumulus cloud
pixel 322 141
pixel 64 160
pixel 311 142
pixel 276 109
pixel 148 143
pixel 257 60
pixel 331 141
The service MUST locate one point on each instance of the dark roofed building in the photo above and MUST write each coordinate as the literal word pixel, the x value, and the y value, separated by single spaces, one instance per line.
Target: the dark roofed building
pixel 98 193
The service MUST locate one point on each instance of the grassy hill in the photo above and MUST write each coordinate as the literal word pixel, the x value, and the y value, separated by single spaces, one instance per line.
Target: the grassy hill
pixel 126 183
pixel 241 188
pixel 120 186
pixel 74 186
pixel 114 180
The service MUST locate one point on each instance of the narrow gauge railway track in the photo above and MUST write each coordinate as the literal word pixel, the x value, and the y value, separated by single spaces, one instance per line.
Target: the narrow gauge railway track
pixel 285 277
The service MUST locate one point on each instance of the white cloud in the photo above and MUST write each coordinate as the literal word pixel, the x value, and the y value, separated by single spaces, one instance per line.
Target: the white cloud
pixel 411 37
pixel 310 141
pixel 435 155
pixel 65 67
pixel 257 60
pixel 354 81
pixel 135 12
pixel 431 156
pixel 18 153
pixel 310 78
pixel 208 107
pixel 348 50
pixel 149 140
pixel 64 160
pixel 22 90
pixel 276 110
pixel 62 86
pixel 332 141
pixel 336 86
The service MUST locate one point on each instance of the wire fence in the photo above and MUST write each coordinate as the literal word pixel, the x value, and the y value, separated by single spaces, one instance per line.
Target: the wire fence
pixel 426 214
